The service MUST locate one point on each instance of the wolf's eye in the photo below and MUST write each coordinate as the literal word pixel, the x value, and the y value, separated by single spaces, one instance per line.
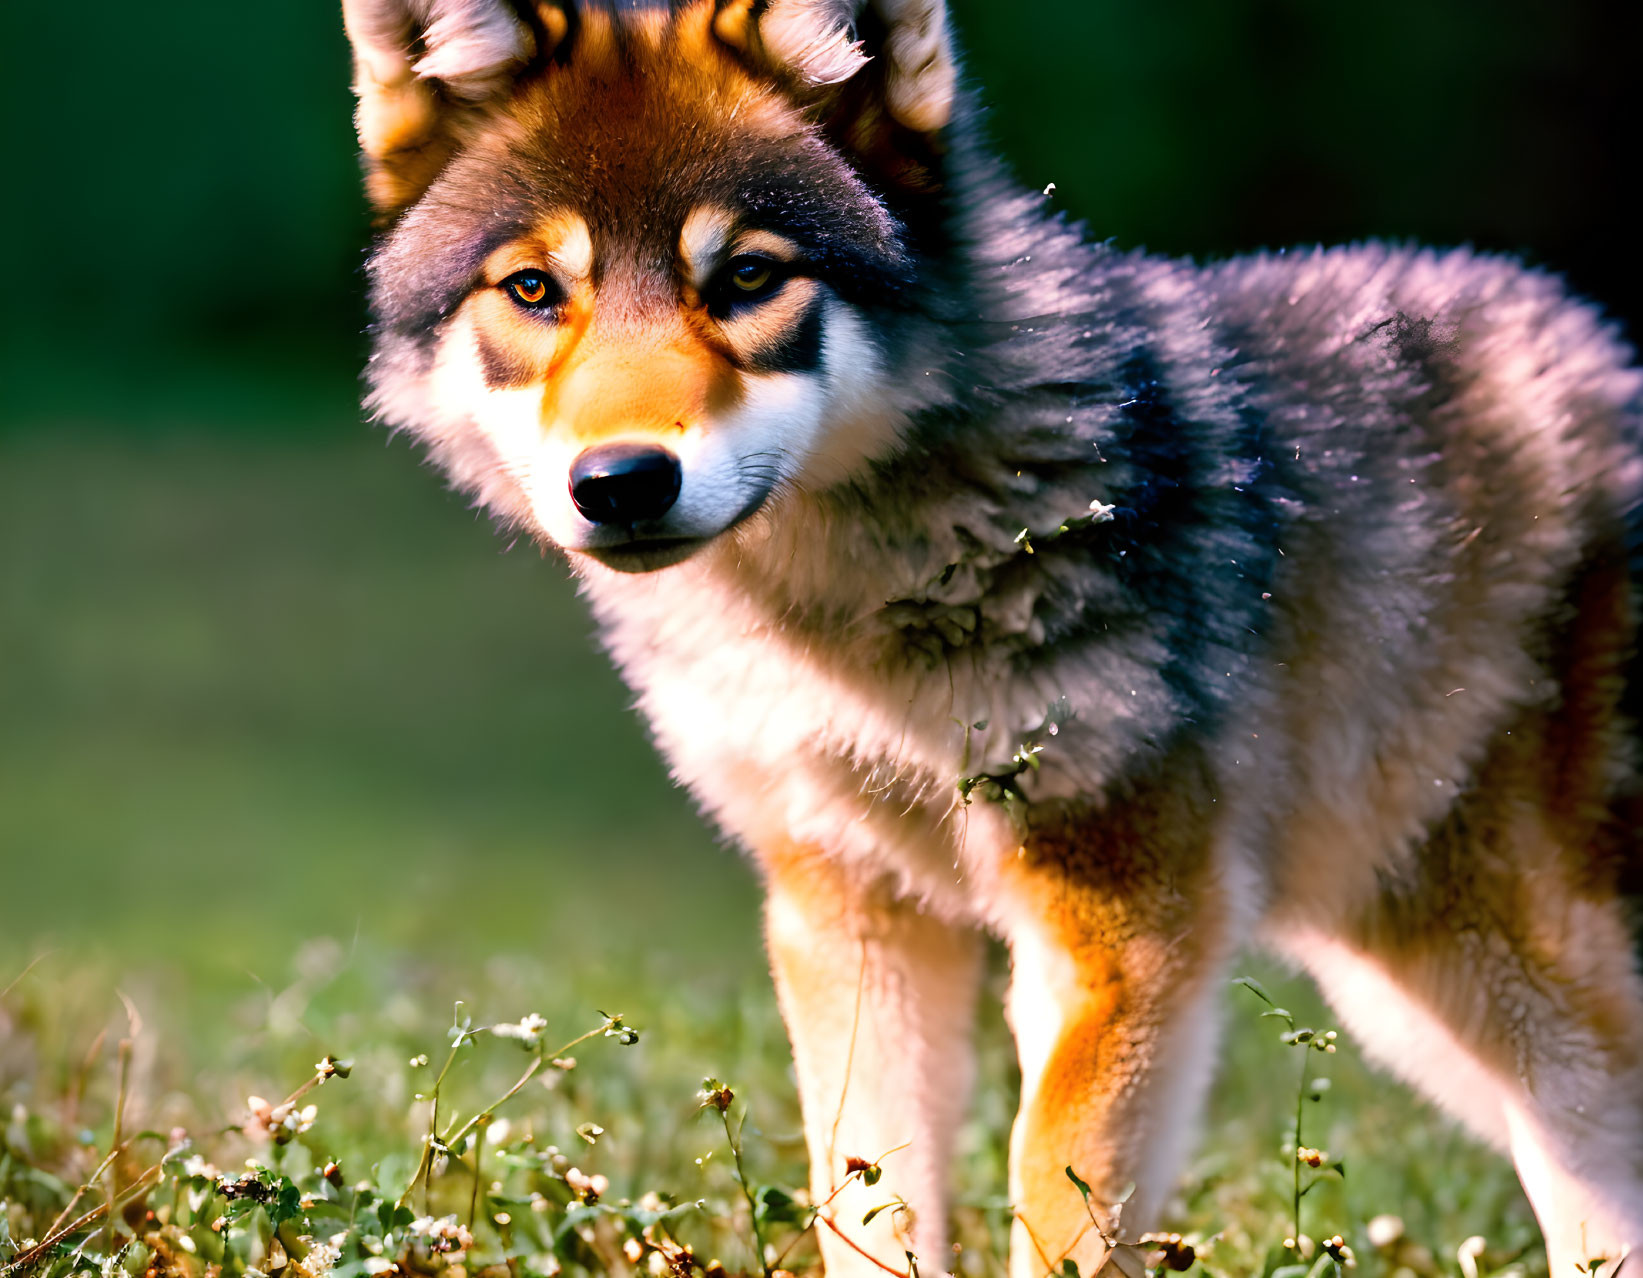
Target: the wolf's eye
pixel 532 290
pixel 752 277
pixel 751 274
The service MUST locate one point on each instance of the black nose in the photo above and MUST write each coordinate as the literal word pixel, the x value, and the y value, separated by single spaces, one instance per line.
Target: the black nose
pixel 624 483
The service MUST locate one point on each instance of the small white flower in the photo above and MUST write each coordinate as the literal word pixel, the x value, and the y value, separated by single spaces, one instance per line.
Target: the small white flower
pixel 295 1120
pixel 375 1265
pixel 588 1188
pixel 527 1031
pixel 194 1165
pixel 322 1256
pixel 498 1132
pixel 281 1122
pixel 443 1234
pixel 1383 1231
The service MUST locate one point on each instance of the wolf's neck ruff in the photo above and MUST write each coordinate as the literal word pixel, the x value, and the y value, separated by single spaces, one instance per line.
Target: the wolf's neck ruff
pixel 976 577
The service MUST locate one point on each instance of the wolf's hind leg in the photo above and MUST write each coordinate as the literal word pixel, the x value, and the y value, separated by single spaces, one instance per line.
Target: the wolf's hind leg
pixel 879 999
pixel 1498 976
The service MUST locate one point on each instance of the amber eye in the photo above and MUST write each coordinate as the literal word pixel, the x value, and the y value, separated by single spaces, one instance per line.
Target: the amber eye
pixel 531 289
pixel 752 276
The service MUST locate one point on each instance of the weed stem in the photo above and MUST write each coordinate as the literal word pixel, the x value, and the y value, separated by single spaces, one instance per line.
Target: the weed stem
pixel 1300 1112
pixel 24 1259
pixel 741 1177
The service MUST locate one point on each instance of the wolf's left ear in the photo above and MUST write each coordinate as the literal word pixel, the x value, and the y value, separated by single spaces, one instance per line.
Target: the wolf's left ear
pixel 416 63
pixel 822 43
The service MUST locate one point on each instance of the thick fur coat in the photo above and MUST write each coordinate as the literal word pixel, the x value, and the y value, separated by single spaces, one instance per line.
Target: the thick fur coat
pixel 1126 609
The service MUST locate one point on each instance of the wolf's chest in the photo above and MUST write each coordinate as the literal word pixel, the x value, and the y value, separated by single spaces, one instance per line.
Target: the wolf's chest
pixel 897 765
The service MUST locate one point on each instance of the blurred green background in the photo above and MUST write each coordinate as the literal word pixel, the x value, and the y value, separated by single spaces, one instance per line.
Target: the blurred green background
pixel 262 679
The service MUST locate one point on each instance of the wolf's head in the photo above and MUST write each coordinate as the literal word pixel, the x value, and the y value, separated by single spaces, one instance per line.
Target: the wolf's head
pixel 644 267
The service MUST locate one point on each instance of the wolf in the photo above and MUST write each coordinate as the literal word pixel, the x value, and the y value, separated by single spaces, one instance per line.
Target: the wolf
pixel 981 579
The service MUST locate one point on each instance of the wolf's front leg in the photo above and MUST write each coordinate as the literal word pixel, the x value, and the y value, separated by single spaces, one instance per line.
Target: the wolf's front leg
pixel 879 999
pixel 1119 931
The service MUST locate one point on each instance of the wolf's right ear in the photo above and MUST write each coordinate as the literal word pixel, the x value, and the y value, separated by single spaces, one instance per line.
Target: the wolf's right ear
pixel 816 43
pixel 416 64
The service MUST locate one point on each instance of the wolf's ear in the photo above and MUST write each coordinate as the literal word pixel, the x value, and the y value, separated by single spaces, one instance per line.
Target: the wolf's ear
pixel 415 63
pixel 822 43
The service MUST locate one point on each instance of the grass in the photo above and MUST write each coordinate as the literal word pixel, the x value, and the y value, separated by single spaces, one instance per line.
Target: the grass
pixel 285 687
pixel 292 761
pixel 82 1076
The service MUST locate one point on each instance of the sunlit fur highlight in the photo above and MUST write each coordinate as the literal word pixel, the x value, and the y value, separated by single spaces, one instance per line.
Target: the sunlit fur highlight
pixel 704 243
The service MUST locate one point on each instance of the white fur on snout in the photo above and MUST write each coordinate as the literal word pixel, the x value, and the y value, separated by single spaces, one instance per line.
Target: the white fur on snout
pixel 862 420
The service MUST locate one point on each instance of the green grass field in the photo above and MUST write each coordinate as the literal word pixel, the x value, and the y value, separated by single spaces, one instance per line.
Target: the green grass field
pixel 293 757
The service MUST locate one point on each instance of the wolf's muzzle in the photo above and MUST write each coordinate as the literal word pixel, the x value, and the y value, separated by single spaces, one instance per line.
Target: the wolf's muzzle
pixel 624 483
